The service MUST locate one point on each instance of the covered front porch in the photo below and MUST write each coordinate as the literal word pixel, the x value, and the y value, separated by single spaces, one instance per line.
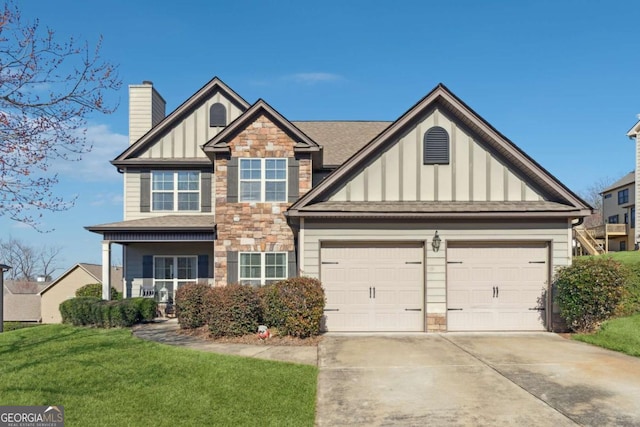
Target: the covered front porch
pixel 160 254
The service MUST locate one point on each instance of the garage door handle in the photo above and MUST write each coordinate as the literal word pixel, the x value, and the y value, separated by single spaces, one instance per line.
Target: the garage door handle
pixel 537 262
pixel 454 309
pixel 329 262
pixel 331 309
pixel 538 308
pixel 413 262
pixel 412 309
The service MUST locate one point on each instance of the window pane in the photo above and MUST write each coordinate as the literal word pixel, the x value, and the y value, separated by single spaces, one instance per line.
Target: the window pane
pixel 189 180
pixel 186 268
pixel 250 169
pixel 162 201
pixel 275 169
pixel 250 266
pixel 250 191
pixel 275 265
pixel 188 201
pixel 275 191
pixel 162 180
pixel 163 268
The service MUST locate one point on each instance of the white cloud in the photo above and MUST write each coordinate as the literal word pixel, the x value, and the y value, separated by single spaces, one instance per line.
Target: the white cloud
pixel 95 165
pixel 313 78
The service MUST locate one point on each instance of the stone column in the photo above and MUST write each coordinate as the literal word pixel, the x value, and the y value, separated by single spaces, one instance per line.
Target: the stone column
pixel 106 270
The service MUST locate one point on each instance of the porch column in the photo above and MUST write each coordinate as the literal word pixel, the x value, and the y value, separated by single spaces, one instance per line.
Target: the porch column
pixel 106 270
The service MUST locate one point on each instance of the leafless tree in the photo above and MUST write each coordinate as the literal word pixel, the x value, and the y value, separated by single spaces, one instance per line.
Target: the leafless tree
pixel 48 88
pixel 593 196
pixel 28 262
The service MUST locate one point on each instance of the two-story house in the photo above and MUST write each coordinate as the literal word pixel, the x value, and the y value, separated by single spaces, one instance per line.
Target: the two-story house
pixel 619 215
pixel 435 221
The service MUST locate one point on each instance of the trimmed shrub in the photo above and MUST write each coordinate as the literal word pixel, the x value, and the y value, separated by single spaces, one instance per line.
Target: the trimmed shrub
pixel 95 290
pixel 79 311
pixel 147 308
pixel 190 305
pixel 91 311
pixel 294 306
pixel 233 310
pixel 590 291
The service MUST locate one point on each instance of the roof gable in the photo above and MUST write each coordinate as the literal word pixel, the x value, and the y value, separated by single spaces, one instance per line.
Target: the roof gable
pixel 220 142
pixel 174 118
pixel 530 181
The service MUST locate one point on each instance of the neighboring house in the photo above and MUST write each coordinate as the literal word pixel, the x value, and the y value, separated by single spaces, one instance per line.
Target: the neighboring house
pixel 21 300
pixel 634 133
pixel 65 287
pixel 433 222
pixel 618 213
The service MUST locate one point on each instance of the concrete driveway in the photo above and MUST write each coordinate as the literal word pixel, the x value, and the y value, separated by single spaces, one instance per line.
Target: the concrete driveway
pixel 536 379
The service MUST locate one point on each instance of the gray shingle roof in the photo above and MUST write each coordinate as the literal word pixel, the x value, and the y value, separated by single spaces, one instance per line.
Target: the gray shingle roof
pixel 181 222
pixel 625 180
pixel 440 208
pixel 340 139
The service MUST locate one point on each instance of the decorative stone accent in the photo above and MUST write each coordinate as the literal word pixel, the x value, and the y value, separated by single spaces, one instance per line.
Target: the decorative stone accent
pixel 255 227
pixel 436 322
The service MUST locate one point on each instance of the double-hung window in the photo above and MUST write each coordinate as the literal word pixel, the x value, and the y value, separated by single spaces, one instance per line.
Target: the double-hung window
pixel 623 196
pixel 261 268
pixel 175 191
pixel 263 180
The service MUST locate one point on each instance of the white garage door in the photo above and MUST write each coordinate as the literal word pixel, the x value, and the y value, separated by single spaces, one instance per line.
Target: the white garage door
pixel 373 287
pixel 497 287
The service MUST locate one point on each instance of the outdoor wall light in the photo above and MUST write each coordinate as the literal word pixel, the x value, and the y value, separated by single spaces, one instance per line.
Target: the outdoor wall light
pixel 435 243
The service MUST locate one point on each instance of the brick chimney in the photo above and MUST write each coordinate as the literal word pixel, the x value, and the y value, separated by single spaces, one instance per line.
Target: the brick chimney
pixel 146 109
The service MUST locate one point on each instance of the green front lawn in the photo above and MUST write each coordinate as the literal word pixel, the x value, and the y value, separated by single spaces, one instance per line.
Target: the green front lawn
pixel 621 334
pixel 109 378
pixel 625 257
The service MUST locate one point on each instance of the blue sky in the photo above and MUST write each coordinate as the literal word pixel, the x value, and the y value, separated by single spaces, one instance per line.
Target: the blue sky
pixel 559 78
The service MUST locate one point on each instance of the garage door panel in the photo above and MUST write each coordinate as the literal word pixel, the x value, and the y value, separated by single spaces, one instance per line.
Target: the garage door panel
pixel 396 274
pixel 501 284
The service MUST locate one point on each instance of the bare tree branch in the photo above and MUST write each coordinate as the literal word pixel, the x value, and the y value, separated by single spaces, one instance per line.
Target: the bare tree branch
pixel 47 90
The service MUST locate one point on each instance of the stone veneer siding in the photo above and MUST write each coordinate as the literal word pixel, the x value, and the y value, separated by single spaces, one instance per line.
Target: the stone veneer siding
pixel 254 227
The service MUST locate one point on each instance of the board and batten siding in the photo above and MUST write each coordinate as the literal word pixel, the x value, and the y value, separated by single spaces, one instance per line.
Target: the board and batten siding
pixel 474 173
pixel 184 139
pixel 557 232
pixel 132 199
pixel 135 251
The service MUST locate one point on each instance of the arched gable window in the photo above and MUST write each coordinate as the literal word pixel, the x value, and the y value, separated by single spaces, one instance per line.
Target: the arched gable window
pixel 436 146
pixel 217 115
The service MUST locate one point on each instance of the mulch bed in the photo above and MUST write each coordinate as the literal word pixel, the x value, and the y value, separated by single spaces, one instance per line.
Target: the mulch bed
pixel 253 339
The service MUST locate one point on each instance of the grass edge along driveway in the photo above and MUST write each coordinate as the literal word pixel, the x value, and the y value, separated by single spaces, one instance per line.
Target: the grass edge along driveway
pixel 108 377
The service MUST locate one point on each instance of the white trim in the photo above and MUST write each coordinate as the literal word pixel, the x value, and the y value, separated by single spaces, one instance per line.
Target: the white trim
pixel 175 281
pixel 175 191
pixel 263 179
pixel 263 279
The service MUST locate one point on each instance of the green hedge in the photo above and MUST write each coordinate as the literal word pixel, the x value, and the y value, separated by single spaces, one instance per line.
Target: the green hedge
pixel 591 291
pixel 95 290
pixel 294 306
pixel 233 310
pixel 91 311
pixel 190 305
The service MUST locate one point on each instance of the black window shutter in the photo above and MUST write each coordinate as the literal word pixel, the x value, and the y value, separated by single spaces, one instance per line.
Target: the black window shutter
pixel 436 146
pixel 293 264
pixel 217 115
pixel 294 179
pixel 145 190
pixel 203 266
pixel 147 266
pixel 232 267
pixel 205 191
pixel 232 180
